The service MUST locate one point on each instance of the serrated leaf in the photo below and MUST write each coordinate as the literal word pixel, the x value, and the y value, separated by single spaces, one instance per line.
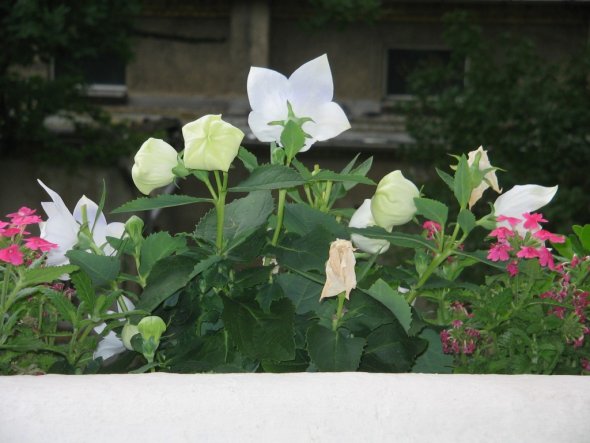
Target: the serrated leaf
pixel 159 201
pixel 157 246
pixel 433 360
pixel 302 219
pixel 268 294
pixel 303 171
pixel 268 177
pixel 37 276
pixel 392 300
pixel 295 253
pixel 326 175
pixel 466 220
pixel 248 159
pixel 395 238
pixel 462 182
pixel 292 138
pixel 450 181
pixel 333 352
pixel 481 256
pixel 101 269
pixel 84 290
pixel 303 293
pixel 167 276
pixel 258 334
pixel 432 210
pixel 64 306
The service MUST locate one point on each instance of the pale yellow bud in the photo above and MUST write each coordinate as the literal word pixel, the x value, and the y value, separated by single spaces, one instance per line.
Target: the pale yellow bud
pixel 153 165
pixel 490 178
pixel 340 274
pixel 393 202
pixel 210 143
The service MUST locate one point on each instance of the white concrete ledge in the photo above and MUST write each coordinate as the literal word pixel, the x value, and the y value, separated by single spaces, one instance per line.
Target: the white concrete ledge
pixel 345 407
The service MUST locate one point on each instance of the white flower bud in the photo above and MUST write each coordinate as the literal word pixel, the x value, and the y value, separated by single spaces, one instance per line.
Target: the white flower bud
pixel 393 202
pixel 210 144
pixel 153 165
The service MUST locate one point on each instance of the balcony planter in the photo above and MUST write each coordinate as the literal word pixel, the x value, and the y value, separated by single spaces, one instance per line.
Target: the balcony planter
pixel 295 407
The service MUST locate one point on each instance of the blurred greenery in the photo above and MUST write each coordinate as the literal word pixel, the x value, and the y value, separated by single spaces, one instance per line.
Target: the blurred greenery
pixel 343 12
pixel 33 34
pixel 532 115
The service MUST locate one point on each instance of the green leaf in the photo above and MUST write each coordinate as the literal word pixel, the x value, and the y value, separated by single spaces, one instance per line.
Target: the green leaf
pixel 396 238
pixel 167 276
pixel 268 294
pixel 306 253
pixel 325 175
pixel 362 169
pixel 466 220
pixel 84 290
pixel 331 351
pixel 583 233
pixel 303 293
pixel 392 300
pixel 159 201
pixel 258 334
pixel 481 256
pixel 36 276
pixel 432 210
pixel 303 171
pixel 248 159
pixel 433 360
pixel 101 269
pixel 302 219
pixel 242 217
pixel 389 349
pixel 292 138
pixel 157 246
pixel 462 182
pixel 268 177
pixel 64 306
pixel 450 181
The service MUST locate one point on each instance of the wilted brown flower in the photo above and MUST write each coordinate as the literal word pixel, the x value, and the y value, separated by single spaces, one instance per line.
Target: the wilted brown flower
pixel 340 275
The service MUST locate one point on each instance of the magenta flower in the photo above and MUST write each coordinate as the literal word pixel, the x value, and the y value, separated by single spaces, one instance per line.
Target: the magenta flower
pixel 432 227
pixel 544 235
pixel 512 221
pixel 10 232
pixel 531 221
pixel 512 268
pixel 501 233
pixel 499 252
pixel 12 255
pixel 545 257
pixel 527 252
pixel 37 243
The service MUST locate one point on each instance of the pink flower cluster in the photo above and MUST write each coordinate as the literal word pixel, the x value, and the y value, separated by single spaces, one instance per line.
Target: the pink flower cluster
pixel 13 234
pixel 459 340
pixel 522 239
pixel 570 299
pixel 432 228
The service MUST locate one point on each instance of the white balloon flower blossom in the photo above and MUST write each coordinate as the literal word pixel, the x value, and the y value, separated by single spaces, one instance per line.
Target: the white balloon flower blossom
pixel 363 218
pixel 522 199
pixel 309 92
pixel 62 226
pixel 110 344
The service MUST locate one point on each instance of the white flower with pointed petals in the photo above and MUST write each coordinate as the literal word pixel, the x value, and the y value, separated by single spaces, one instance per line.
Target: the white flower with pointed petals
pixel 62 227
pixel 521 199
pixel 363 218
pixel 309 90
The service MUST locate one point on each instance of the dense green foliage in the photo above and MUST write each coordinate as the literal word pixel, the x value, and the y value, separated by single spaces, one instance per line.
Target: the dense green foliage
pixel 531 114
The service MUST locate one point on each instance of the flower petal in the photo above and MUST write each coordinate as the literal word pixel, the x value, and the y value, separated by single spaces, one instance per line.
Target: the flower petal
pixel 329 120
pixel 523 198
pixel 259 126
pixel 363 218
pixel 109 346
pixel 268 91
pixel 312 84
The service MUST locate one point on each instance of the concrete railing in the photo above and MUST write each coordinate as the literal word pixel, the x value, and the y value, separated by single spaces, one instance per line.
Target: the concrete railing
pixel 344 407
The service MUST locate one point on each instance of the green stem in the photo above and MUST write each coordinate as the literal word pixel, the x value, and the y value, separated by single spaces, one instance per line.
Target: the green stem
pixel 220 208
pixel 280 216
pixel 338 317
pixel 326 197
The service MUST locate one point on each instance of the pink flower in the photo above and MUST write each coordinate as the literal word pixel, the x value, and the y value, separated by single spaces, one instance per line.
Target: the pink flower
pixel 545 257
pixel 532 220
pixel 24 216
pixel 499 252
pixel 585 364
pixel 457 323
pixel 558 311
pixel 527 252
pixel 37 243
pixel 432 227
pixel 12 255
pixel 22 212
pixel 501 233
pixel 512 268
pixel 10 232
pixel 512 221
pixel 544 235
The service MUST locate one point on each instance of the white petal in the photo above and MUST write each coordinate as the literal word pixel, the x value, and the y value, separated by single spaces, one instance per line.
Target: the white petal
pixel 91 211
pixel 523 198
pixel 311 83
pixel 264 132
pixel 329 120
pixel 363 218
pixel 110 345
pixel 268 91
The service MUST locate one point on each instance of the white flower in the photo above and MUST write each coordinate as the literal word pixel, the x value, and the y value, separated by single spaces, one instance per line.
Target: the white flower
pixel 521 199
pixel 340 274
pixel 309 90
pixel 490 178
pixel 363 218
pixel 62 227
pixel 153 165
pixel 110 344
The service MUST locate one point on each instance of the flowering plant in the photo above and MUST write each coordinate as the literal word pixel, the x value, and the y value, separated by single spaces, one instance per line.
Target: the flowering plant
pixel 279 279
